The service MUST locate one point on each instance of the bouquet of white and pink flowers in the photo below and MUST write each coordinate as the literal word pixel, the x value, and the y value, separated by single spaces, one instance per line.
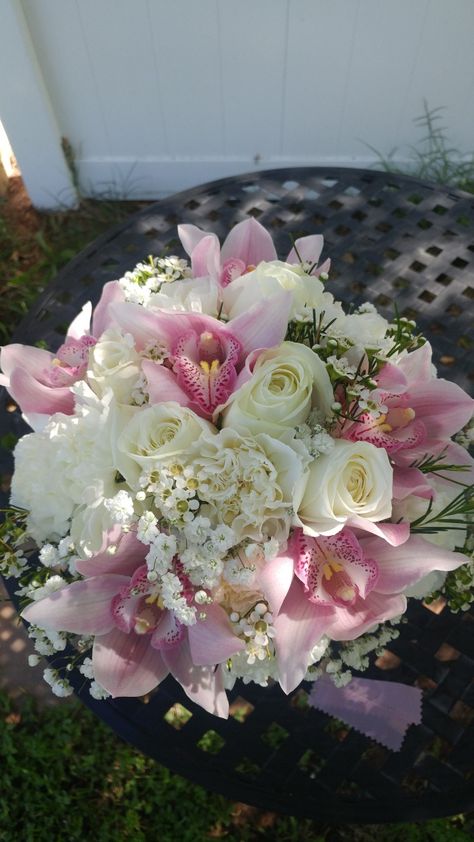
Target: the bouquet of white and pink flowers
pixel 230 477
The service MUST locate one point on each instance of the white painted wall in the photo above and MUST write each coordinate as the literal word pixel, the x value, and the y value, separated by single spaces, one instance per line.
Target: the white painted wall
pixel 158 95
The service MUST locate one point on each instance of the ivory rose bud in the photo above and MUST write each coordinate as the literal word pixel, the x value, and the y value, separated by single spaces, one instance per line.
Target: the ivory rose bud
pixel 350 485
pixel 286 384
pixel 114 364
pixel 164 431
pixel 268 279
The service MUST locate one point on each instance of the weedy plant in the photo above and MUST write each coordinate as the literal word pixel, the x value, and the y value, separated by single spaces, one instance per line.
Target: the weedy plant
pixel 434 157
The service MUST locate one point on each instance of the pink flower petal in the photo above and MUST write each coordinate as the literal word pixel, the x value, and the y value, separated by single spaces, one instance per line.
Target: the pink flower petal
pixel 162 384
pixel 212 641
pixel 129 554
pixel 408 481
pixel 394 533
pixel 264 324
pixel 102 317
pixel 298 626
pixel 416 366
pixel 248 241
pixel 205 257
pixel 275 580
pixel 168 633
pixel 33 397
pixel 334 569
pixel 36 361
pixel 126 664
pixel 400 567
pixel 190 236
pixel 203 685
pixel 81 325
pixel 443 407
pixel 82 607
pixel 349 623
pixel 306 249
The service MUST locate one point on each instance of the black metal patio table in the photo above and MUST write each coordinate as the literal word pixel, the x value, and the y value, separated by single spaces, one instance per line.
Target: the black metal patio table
pixel 392 240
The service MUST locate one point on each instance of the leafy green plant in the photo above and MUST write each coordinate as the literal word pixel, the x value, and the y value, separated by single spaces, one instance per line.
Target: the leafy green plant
pixel 434 157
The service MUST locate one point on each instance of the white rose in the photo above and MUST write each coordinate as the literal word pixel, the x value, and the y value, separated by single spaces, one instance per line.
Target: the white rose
pixel 267 280
pixel 351 481
pixel 164 431
pixel 362 329
pixel 247 483
pixel 286 384
pixel 194 295
pixel 88 525
pixel 114 364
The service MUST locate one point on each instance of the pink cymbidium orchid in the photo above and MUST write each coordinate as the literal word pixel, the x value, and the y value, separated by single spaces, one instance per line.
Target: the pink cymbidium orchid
pixel 203 355
pixel 340 586
pixel 40 381
pixel 421 409
pixel 247 245
pixel 138 641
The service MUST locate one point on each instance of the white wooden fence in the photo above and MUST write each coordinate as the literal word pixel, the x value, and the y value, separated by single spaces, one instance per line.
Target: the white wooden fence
pixel 158 95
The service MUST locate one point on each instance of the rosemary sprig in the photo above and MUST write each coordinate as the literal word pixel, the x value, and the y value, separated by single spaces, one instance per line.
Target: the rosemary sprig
pixel 453 516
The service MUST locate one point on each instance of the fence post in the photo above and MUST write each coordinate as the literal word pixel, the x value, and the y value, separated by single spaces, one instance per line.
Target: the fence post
pixel 28 116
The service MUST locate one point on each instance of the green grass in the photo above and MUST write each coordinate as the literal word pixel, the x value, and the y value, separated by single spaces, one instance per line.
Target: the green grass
pixel 65 776
pixel 29 259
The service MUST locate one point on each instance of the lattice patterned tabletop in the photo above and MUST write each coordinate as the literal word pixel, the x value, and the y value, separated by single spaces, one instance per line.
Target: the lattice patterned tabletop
pixel 392 240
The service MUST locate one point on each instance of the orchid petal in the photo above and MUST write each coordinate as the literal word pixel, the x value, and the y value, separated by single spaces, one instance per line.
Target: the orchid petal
pixel 81 608
pixel 408 481
pixel 275 580
pixel 162 384
pixel 403 566
pixel 190 236
pixel 169 632
pixel 205 257
pixel 264 325
pixel 212 640
pixel 306 250
pixel 203 685
pixel 102 318
pixel 164 327
pixel 36 361
pixel 298 627
pixel 349 623
pixel 81 325
pixel 417 366
pixel 447 452
pixel 443 407
pixel 394 533
pixel 128 554
pixel 248 241
pixel 126 664
pixel 33 396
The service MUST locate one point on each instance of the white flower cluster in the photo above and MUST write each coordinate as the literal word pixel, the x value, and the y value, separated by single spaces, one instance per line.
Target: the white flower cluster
pixel 95 689
pixel 60 686
pixel 47 641
pixel 141 283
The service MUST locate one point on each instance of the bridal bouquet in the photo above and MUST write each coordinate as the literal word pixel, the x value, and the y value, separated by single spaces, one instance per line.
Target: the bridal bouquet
pixel 230 477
